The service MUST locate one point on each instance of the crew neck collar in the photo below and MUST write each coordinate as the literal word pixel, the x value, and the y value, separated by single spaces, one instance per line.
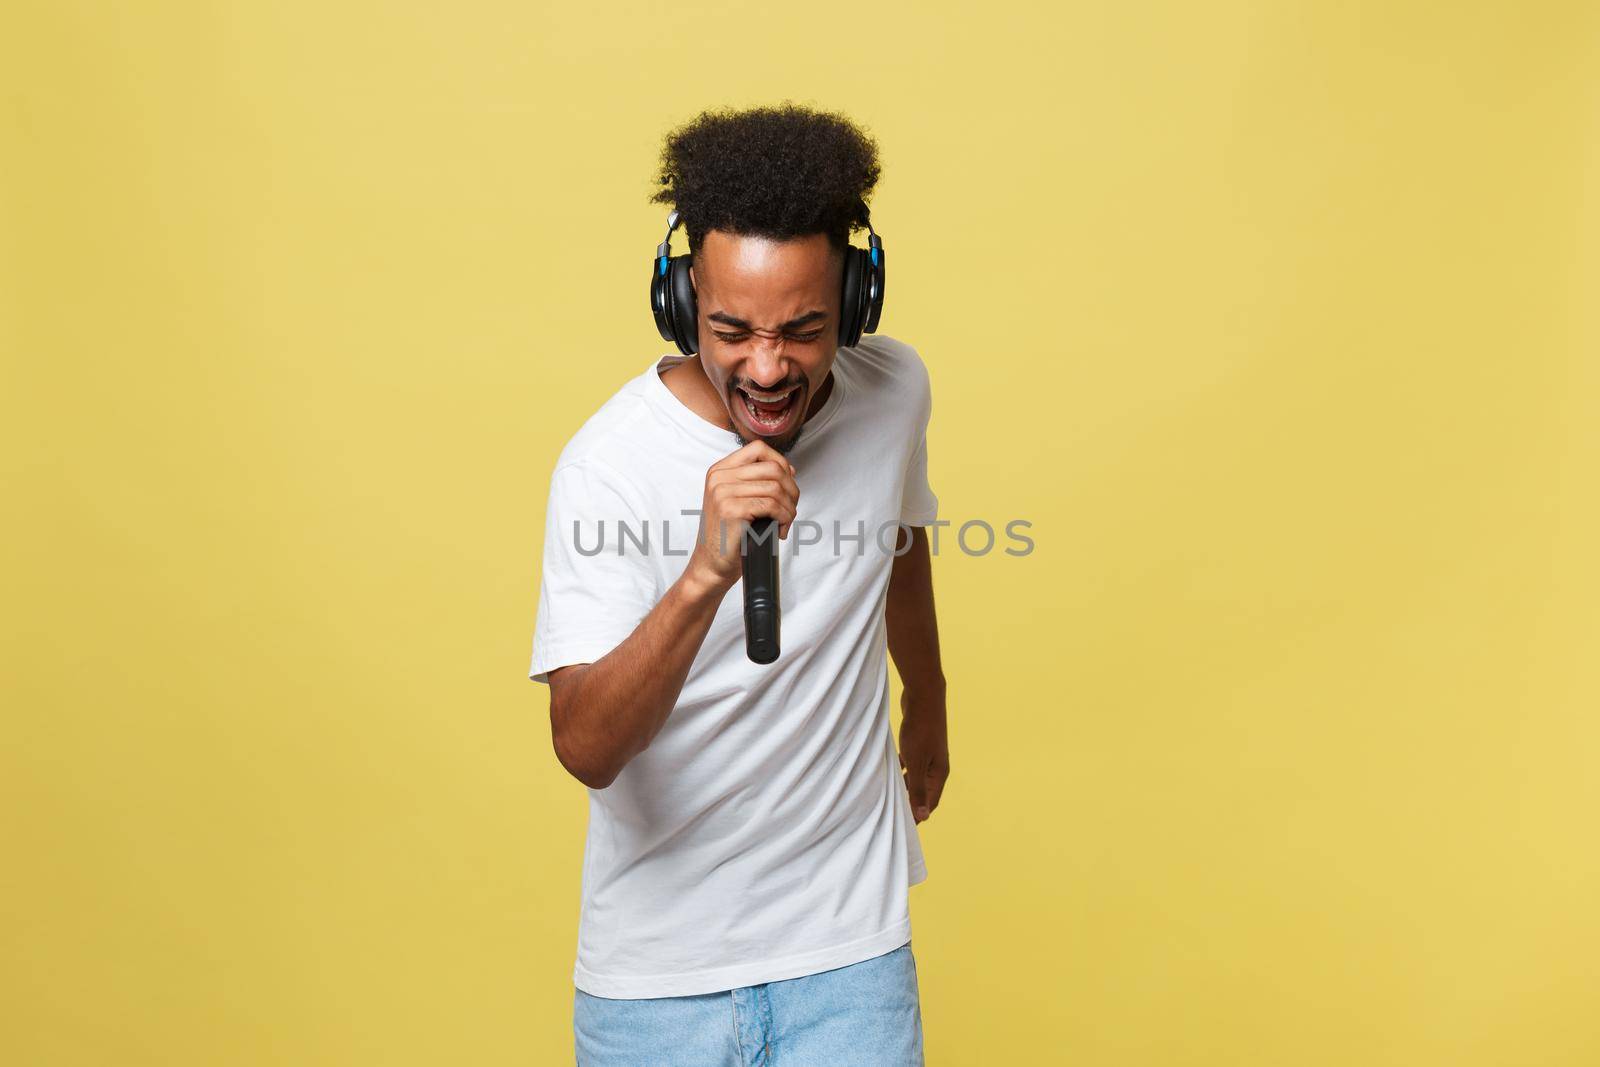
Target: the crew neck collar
pixel 701 429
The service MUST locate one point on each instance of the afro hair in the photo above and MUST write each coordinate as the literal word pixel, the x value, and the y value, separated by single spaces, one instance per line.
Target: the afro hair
pixel 775 172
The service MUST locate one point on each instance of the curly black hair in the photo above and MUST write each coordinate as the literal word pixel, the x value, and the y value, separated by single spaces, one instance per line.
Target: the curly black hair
pixel 779 172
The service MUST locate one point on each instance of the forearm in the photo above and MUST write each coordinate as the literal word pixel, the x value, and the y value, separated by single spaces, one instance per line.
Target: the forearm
pixel 911 621
pixel 603 714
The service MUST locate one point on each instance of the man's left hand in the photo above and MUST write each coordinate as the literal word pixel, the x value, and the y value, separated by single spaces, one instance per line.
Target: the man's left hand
pixel 924 750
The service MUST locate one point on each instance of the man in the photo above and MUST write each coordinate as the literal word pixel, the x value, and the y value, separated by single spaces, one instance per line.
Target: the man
pixel 750 840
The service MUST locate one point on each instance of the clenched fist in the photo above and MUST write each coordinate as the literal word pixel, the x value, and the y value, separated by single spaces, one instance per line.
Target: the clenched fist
pixel 752 483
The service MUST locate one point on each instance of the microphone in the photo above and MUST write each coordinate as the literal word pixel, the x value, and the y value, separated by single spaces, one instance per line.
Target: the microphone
pixel 761 619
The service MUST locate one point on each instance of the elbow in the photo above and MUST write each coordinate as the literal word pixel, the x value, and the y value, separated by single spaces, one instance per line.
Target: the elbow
pixel 592 772
pixel 594 778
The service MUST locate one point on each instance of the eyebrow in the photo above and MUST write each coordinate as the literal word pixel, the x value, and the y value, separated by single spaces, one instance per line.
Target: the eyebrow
pixel 793 324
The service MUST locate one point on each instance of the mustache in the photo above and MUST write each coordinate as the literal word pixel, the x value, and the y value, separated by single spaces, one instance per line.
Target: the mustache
pixel 750 386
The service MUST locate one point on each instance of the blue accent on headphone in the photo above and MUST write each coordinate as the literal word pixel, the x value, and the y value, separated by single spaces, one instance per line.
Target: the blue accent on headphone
pixel 874 252
pixel 662 264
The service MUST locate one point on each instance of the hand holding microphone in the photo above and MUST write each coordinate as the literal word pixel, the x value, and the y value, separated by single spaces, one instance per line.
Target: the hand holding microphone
pixel 756 482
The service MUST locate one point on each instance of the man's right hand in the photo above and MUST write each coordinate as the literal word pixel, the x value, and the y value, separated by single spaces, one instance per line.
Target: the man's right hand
pixel 754 482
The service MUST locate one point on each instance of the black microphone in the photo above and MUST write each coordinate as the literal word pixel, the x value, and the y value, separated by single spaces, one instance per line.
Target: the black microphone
pixel 761 619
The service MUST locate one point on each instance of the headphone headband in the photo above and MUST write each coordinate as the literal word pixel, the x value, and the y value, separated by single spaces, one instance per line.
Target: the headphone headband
pixel 672 224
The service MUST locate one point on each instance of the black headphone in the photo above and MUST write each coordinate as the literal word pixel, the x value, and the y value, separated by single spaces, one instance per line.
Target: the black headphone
pixel 677 320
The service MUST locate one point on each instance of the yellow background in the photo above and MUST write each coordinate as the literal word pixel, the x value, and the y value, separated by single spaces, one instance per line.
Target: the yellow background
pixel 1277 321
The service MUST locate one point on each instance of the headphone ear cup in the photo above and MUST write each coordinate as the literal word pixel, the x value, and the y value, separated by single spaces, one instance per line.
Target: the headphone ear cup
pixel 852 297
pixel 685 317
pixel 660 299
pixel 874 294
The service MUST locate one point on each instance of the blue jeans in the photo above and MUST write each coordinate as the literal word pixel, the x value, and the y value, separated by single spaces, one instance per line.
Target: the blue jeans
pixel 865 1015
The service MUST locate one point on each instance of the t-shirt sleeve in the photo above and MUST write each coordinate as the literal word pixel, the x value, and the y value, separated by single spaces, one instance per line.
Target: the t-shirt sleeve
pixel 918 504
pixel 595 584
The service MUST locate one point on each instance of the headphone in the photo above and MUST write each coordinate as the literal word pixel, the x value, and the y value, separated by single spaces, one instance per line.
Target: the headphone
pixel 677 319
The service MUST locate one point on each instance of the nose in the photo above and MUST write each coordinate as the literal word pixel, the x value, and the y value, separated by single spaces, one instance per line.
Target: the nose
pixel 766 366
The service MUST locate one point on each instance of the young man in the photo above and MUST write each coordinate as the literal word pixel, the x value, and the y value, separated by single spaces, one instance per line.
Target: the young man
pixel 751 840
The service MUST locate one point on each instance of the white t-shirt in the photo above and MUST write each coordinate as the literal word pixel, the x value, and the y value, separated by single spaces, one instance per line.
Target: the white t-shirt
pixel 765 833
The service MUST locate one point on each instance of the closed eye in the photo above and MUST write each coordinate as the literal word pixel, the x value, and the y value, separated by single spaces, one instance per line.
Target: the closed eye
pixel 734 338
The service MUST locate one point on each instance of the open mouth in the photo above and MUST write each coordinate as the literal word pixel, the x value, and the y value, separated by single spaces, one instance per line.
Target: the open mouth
pixel 770 413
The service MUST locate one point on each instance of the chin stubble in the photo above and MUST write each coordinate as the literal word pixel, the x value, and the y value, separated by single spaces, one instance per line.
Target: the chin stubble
pixel 782 449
